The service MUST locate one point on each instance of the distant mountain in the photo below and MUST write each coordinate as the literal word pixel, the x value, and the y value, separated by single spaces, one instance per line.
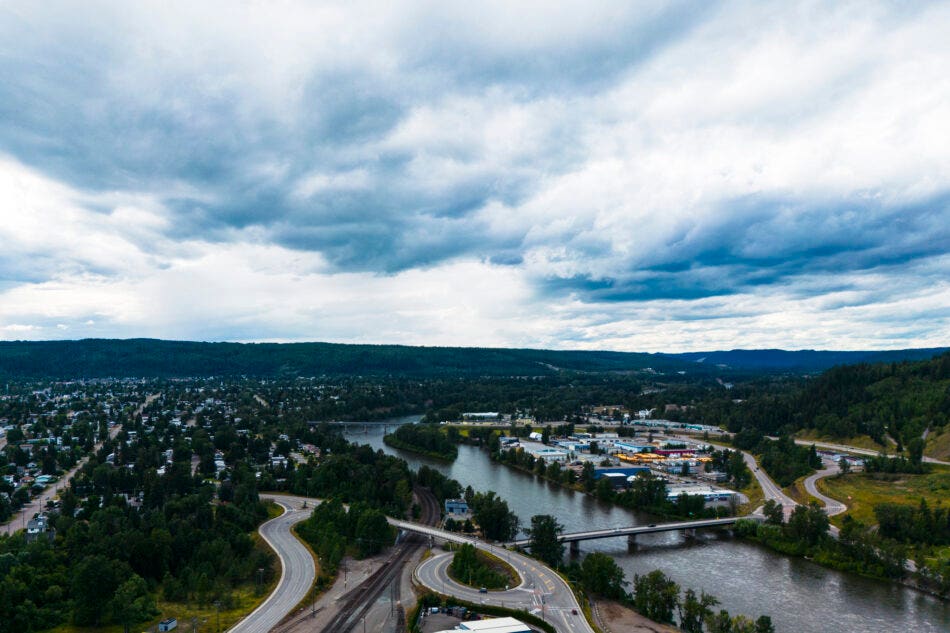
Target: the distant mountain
pixel 96 358
pixel 803 360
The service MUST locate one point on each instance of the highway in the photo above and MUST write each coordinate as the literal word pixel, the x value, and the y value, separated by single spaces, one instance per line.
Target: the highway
pixel 860 451
pixel 297 571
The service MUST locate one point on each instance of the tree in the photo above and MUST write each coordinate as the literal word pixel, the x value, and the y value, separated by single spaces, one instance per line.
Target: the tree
pixel 95 579
pixel 773 511
pixel 492 514
pixel 587 476
pixel 764 625
pixel 655 596
pixel 844 466
pixel 372 532
pixel 132 603
pixel 544 532
pixel 694 611
pixel 602 576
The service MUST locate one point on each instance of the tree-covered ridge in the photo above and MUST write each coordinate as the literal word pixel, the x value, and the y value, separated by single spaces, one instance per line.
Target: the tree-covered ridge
pixel 155 358
pixel 92 358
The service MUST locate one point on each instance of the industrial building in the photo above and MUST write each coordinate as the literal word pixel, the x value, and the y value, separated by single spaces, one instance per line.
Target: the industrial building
pixel 712 496
pixel 494 625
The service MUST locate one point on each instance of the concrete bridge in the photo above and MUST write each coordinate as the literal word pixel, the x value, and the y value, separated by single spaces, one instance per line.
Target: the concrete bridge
pixel 574 538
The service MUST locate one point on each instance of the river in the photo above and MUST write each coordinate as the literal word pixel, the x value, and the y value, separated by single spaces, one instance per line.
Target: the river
pixel 800 596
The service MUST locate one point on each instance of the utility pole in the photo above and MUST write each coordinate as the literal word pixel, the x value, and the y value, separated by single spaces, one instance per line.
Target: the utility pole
pixel 217 611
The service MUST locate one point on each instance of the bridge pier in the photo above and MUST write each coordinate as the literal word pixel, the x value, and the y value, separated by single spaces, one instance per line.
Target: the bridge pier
pixel 575 549
pixel 631 542
pixel 689 533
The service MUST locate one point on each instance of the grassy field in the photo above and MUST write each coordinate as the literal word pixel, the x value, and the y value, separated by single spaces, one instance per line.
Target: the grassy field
pixel 862 492
pixel 938 446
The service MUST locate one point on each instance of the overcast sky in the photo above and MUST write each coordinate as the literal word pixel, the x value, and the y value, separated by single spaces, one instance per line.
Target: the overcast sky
pixel 611 175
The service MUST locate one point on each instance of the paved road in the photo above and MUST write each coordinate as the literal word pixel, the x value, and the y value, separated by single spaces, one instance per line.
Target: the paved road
pixel 860 451
pixel 832 506
pixel 297 571
pixel 541 591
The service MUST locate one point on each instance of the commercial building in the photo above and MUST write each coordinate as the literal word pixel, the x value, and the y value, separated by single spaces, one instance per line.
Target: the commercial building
pixel 626 471
pixel 548 454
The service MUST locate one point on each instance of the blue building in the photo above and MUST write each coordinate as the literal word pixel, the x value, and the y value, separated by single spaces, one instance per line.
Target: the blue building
pixel 456 506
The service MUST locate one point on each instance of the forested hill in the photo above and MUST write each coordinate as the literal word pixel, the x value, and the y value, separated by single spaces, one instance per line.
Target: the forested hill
pixel 95 358
pixel 896 399
pixel 803 360
pixel 92 358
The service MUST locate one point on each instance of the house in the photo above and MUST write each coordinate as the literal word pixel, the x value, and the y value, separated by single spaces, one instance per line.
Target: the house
pixel 39 528
pixel 456 506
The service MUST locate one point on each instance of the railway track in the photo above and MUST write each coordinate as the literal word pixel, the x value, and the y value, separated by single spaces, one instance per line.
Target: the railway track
pixel 361 599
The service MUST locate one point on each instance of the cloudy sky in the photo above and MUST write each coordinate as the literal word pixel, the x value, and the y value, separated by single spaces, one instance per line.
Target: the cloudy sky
pixel 613 175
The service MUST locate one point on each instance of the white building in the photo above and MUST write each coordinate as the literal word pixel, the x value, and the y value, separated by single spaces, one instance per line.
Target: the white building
pixel 495 625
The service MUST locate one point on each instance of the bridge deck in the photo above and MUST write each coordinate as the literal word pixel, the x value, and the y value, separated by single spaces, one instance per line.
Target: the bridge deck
pixel 638 529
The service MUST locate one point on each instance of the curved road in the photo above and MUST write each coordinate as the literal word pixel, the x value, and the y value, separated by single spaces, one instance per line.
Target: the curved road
pixel 541 591
pixel 297 571
pixel 832 506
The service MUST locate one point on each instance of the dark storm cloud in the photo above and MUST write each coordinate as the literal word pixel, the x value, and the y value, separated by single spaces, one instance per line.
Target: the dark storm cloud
pixel 69 109
pixel 756 242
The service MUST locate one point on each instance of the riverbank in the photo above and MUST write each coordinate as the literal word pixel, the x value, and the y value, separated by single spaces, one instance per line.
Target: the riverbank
pixel 616 618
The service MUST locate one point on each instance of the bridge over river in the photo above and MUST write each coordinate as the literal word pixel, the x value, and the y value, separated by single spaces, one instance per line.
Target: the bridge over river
pixel 631 532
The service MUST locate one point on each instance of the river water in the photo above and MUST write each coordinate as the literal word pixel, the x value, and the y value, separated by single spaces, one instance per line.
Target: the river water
pixel 800 596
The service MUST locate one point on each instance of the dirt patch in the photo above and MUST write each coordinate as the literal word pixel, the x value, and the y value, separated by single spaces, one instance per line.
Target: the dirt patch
pixel 619 618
